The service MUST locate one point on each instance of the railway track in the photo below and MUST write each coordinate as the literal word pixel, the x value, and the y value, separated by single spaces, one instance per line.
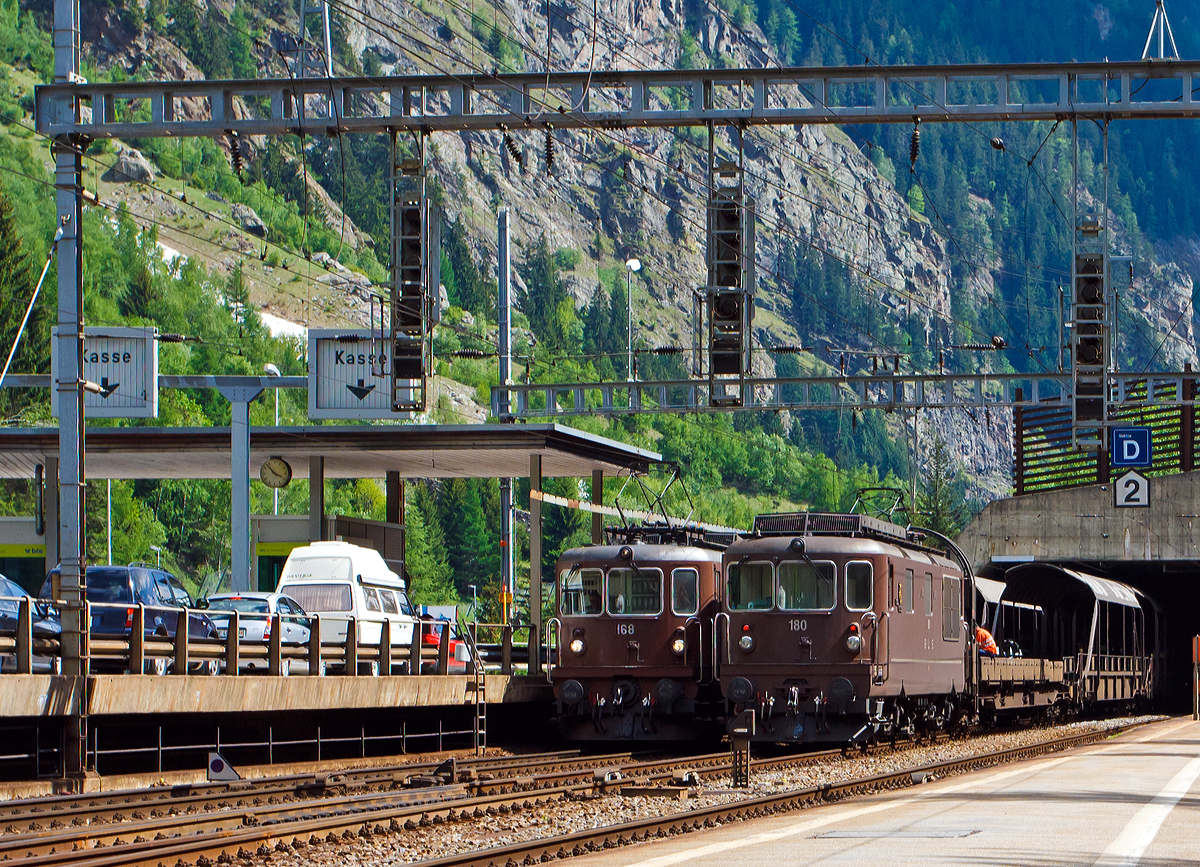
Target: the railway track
pixel 626 833
pixel 218 834
pixel 123 804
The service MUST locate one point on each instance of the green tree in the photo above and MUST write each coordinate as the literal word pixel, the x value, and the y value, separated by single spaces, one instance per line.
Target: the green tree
pixel 425 558
pixel 547 303
pixel 16 288
pixel 941 498
pixel 460 513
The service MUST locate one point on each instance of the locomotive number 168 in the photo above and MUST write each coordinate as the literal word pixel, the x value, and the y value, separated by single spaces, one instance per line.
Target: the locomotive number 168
pixel 624 629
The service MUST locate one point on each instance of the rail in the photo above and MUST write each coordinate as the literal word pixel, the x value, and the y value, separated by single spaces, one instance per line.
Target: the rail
pixel 552 625
pixel 720 615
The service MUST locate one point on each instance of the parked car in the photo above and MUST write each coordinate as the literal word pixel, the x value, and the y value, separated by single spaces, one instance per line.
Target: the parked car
pixel 254 621
pixel 338 581
pixel 459 653
pixel 115 590
pixel 43 624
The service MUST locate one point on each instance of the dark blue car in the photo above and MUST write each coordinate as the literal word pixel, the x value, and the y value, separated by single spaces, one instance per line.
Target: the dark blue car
pixel 121 588
pixel 44 624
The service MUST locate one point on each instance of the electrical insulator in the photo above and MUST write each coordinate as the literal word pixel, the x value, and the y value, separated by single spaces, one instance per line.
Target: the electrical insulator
pixel 471 353
pixel 668 350
pixel 998 144
pixel 514 152
pixel 235 153
pixel 549 149
pixel 914 147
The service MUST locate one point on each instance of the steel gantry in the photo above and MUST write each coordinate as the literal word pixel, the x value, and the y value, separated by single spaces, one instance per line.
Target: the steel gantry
pixel 886 392
pixel 627 99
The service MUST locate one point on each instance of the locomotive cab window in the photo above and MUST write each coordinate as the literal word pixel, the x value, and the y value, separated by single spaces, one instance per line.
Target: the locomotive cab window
pixel 805 586
pixel 635 591
pixel 685 592
pixel 750 586
pixel 581 590
pixel 860 580
pixel 951 608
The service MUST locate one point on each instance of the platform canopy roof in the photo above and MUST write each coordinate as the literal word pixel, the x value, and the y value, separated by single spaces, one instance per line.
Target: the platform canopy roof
pixel 350 452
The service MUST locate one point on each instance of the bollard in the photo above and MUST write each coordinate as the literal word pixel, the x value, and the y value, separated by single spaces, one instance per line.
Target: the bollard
pixel 414 650
pixel 385 648
pixel 137 641
pixel 1196 677
pixel 506 637
pixel 535 650
pixel 275 647
pixel 181 642
pixel 232 647
pixel 351 647
pixel 314 645
pixel 443 663
pixel 25 636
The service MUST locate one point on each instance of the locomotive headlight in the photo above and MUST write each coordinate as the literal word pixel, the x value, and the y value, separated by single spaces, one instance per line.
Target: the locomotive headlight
pixel 576 646
pixel 746 643
pixel 678 645
pixel 854 643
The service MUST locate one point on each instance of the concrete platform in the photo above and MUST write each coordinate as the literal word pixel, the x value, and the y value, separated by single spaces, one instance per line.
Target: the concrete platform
pixel 1133 800
pixel 34 695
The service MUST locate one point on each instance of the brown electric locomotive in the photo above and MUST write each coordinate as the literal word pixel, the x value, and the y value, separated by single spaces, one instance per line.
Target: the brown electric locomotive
pixel 633 631
pixel 836 627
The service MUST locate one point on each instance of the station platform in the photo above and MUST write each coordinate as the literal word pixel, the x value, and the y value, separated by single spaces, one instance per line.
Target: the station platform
pixel 34 695
pixel 1130 801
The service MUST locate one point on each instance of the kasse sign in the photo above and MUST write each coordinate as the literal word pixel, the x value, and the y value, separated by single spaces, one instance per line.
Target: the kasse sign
pixel 1131 447
pixel 341 376
pixel 124 363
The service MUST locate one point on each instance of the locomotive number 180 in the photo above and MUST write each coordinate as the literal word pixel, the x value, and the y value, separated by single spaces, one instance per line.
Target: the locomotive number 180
pixel 799 625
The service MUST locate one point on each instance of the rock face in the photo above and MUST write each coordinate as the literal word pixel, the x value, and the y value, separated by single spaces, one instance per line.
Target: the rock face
pixel 249 220
pixel 612 194
pixel 130 167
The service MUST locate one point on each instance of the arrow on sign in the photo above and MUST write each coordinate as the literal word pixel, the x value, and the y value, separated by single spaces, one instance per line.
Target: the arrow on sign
pixel 105 388
pixel 360 391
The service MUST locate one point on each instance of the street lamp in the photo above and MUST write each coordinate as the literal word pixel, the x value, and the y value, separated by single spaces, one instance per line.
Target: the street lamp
pixel 271 370
pixel 474 609
pixel 157 550
pixel 632 265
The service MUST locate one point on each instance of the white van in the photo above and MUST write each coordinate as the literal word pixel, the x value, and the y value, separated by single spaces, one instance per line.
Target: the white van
pixel 338 580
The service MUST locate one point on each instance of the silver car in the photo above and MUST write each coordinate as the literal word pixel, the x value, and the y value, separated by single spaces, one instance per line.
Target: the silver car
pixel 254 621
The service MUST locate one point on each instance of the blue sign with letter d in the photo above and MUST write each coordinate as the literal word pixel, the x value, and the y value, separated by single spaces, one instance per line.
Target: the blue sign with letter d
pixel 1130 447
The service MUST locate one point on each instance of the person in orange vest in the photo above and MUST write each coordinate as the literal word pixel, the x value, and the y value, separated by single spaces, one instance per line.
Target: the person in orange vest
pixel 985 642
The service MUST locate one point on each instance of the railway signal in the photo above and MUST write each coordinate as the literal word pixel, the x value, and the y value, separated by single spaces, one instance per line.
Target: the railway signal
pixel 729 295
pixel 406 323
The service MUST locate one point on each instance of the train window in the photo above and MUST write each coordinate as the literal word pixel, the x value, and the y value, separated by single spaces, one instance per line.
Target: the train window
pixel 685 591
pixel 951 608
pixel 859 585
pixel 805 586
pixel 581 592
pixel 635 591
pixel 928 594
pixel 750 586
pixel 906 590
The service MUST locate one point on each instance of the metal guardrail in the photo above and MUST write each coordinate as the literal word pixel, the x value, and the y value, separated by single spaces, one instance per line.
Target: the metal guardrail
pixel 159 651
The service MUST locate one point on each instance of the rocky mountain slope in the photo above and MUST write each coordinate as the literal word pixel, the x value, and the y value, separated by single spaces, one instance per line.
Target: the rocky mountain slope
pixel 614 194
